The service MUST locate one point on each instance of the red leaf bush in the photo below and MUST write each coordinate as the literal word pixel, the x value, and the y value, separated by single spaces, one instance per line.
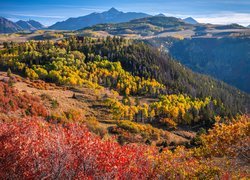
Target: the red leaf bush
pixel 11 100
pixel 34 149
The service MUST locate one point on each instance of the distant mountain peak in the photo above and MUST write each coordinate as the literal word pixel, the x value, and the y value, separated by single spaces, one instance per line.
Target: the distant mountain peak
pixel 113 10
pixel 30 25
pixel 110 16
pixel 20 21
pixel 25 25
pixel 190 20
pixel 35 24
pixel 7 26
pixel 161 15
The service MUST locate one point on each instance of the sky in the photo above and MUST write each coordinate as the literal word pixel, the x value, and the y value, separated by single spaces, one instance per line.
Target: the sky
pixel 205 11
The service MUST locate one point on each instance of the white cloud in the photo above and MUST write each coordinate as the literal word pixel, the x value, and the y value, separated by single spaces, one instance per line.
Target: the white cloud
pixel 13 19
pixel 40 16
pixel 92 9
pixel 225 18
pixel 218 18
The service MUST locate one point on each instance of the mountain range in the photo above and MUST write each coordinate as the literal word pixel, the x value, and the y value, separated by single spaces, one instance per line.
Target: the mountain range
pixel 30 25
pixel 143 27
pixel 7 26
pixel 163 26
pixel 110 16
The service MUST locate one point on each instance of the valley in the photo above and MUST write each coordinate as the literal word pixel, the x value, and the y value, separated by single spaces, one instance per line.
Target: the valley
pixel 169 34
pixel 124 95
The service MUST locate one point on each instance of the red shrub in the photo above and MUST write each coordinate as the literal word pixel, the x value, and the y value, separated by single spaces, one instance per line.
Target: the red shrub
pixel 34 149
pixel 12 100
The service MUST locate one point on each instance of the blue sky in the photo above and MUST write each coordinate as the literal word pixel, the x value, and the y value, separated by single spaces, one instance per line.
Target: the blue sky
pixel 51 11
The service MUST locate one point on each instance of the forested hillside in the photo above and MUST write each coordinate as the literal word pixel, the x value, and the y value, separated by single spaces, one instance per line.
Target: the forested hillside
pixel 117 109
pixel 162 27
pixel 136 94
pixel 226 59
pixel 105 61
pixel 147 26
pixel 32 148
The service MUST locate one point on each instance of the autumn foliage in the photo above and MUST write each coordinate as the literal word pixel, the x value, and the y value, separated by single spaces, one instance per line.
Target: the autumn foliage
pixel 34 149
pixel 228 139
pixel 11 100
pixel 34 146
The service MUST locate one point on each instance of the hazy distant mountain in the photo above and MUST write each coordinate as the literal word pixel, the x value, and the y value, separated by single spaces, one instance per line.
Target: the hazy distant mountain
pixel 30 25
pixel 231 26
pixel 25 25
pixel 36 24
pixel 110 16
pixel 248 26
pixel 162 15
pixel 190 20
pixel 147 26
pixel 7 26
